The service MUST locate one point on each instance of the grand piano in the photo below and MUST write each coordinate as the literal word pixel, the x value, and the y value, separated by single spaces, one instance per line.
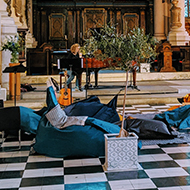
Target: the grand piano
pixel 87 65
pixel 43 61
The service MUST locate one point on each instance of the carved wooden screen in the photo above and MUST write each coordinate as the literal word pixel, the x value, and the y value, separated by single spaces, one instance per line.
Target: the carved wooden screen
pixel 187 25
pixel 56 26
pixel 93 18
pixel 130 20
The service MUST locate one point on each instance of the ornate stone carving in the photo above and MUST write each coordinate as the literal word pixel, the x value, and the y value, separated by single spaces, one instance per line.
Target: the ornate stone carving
pixel 167 58
pixel 8 2
pixel 175 15
pixel 17 4
pixel 29 13
pixel 30 41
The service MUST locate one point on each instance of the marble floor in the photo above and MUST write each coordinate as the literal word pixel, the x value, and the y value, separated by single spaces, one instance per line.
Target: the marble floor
pixel 161 167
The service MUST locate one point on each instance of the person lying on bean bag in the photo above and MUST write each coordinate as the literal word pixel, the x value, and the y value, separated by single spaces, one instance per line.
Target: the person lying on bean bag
pixel 178 118
pixel 59 135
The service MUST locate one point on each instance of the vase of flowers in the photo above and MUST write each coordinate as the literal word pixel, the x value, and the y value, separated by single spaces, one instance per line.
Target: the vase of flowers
pixel 13 44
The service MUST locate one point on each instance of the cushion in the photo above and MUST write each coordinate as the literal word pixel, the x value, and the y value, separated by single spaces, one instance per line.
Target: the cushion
pixel 149 129
pixel 74 141
pixel 92 107
pixel 29 120
pixel 178 118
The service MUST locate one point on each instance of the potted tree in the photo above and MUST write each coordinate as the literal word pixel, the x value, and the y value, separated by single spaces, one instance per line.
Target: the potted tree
pixel 125 52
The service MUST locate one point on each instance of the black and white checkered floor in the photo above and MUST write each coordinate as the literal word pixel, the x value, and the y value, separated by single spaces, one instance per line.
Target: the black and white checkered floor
pixel 164 167
pixel 145 109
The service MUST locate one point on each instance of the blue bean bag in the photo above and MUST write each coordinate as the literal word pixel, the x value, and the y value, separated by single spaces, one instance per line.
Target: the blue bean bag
pixel 92 107
pixel 29 120
pixel 74 141
pixel 178 118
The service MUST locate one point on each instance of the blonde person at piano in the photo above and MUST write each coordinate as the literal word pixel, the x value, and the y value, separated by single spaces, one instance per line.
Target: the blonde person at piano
pixel 74 54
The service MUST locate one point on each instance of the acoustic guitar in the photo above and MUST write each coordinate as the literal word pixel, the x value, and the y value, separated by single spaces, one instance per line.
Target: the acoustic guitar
pixel 65 97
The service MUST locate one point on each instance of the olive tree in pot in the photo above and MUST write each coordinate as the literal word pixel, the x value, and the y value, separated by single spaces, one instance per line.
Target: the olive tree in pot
pixel 119 50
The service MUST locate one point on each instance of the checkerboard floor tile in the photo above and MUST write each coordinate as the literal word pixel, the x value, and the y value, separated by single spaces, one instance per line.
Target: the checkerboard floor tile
pixel 160 167
pixel 145 109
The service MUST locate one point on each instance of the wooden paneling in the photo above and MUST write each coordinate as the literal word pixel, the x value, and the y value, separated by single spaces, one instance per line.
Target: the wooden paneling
pixel 130 21
pixel 63 23
pixel 57 26
pixel 70 28
pixel 93 18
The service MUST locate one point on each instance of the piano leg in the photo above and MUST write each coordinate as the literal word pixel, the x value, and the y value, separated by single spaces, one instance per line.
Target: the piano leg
pixel 134 79
pixel 88 85
pixel 79 79
pixel 96 78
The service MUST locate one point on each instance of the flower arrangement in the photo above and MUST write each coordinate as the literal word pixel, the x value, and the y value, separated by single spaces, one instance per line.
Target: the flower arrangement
pixel 14 45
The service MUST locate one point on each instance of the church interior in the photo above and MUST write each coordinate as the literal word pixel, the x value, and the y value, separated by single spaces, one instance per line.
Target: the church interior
pixel 47 30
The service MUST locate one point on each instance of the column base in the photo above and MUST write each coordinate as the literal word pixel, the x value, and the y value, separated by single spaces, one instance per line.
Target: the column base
pixel 160 36
pixel 178 37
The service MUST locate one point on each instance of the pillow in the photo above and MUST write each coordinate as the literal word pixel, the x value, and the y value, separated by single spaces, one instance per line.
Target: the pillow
pixel 149 129
pixel 29 120
pixel 92 107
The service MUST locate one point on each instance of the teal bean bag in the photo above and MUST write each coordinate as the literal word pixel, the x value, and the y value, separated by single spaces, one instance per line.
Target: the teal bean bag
pixel 29 120
pixel 73 141
pixel 178 118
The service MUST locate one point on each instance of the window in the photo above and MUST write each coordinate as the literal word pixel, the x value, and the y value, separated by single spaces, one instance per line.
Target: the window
pixel 187 3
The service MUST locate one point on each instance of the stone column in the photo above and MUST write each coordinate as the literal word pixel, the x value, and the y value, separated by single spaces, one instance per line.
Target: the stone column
pixel 178 34
pixel 30 16
pixel 159 20
pixel 0 55
pixel 8 28
pixel 167 7
pixel 30 41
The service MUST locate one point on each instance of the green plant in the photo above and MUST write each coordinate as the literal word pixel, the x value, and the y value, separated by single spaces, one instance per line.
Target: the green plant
pixel 14 45
pixel 124 51
pixel 127 50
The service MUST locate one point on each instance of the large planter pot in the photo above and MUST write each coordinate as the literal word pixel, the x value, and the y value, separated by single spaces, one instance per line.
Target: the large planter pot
pixel 121 153
pixel 145 67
